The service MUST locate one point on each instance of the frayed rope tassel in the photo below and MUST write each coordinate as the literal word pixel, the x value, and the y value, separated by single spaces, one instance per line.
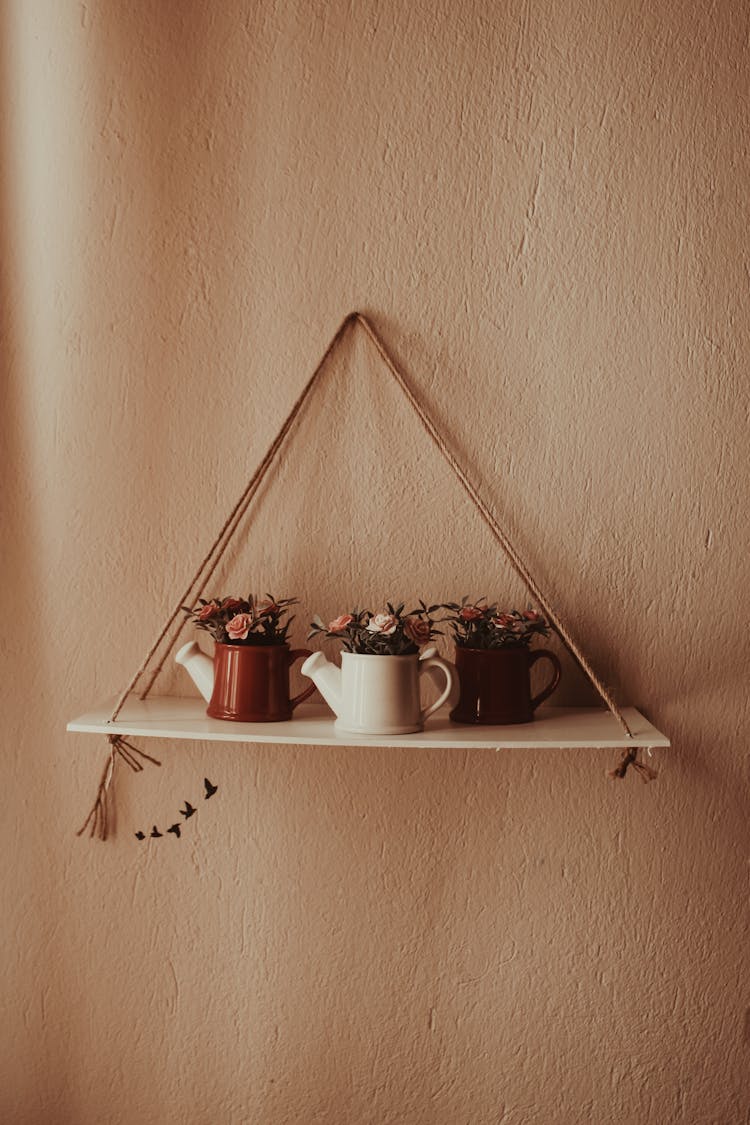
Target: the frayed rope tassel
pixel 97 821
pixel 630 758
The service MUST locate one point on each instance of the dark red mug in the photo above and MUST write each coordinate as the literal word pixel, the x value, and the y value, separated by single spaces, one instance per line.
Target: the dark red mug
pixel 495 684
pixel 251 683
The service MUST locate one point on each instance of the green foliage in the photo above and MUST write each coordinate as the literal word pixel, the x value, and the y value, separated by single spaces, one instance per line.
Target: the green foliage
pixel 480 625
pixel 388 633
pixel 243 621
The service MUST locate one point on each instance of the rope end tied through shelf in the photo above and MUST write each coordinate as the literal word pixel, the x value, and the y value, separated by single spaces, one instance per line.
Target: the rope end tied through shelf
pixel 631 758
pixel 98 820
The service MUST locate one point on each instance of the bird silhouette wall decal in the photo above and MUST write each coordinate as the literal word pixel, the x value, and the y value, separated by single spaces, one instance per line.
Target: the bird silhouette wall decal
pixel 186 812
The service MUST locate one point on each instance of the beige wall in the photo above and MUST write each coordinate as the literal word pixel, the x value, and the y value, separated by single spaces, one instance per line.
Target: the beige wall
pixel 544 208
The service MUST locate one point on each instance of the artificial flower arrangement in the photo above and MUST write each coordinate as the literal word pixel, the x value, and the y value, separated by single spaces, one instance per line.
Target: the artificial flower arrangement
pixel 244 621
pixel 483 626
pixel 389 633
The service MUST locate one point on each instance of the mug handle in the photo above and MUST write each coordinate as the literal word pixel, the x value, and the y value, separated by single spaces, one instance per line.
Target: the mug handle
pixel 426 662
pixel 297 654
pixel 546 692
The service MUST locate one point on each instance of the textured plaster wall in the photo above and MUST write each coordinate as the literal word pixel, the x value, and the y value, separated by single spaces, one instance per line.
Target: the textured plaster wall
pixel 544 208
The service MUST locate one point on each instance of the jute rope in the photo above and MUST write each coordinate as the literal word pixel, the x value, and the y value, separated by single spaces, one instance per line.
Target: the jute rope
pixel 98 818
pixel 496 530
pixel 213 557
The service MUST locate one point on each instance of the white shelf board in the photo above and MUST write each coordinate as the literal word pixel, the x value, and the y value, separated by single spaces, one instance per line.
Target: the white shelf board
pixel 312 725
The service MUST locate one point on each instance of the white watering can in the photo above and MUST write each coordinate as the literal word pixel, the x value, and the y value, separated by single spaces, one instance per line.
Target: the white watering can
pixel 379 695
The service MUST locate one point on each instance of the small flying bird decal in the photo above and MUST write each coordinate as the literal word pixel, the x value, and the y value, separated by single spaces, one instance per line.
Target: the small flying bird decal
pixel 156 832
pixel 210 789
pixel 188 811
pixel 140 835
pixel 176 829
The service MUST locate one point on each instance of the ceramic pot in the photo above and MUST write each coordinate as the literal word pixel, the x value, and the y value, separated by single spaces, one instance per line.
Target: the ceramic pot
pixel 378 695
pixel 251 683
pixel 495 684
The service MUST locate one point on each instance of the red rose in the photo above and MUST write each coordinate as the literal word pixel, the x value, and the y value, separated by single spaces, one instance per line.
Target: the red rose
pixel 504 621
pixel 417 630
pixel 208 611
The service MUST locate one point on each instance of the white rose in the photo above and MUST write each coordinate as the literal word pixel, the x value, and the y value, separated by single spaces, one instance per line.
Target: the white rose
pixel 384 623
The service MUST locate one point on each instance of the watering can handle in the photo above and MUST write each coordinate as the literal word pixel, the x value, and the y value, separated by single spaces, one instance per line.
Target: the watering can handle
pixel 447 670
pixel 546 692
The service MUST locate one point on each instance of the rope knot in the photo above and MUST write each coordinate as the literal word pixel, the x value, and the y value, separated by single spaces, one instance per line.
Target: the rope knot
pixel 631 758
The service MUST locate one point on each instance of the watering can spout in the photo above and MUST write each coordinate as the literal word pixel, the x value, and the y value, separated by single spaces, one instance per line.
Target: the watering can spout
pixel 199 667
pixel 326 677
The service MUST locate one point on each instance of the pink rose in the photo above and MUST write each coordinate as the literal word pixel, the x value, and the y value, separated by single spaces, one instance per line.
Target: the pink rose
pixel 340 623
pixel 471 613
pixel 417 630
pixel 231 603
pixel 532 615
pixel 208 611
pixel 384 623
pixel 239 627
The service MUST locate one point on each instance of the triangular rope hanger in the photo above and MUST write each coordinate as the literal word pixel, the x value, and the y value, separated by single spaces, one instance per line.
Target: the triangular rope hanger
pixel 97 818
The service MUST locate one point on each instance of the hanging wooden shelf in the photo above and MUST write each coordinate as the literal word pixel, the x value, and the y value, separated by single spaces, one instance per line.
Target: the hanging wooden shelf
pixel 185 718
